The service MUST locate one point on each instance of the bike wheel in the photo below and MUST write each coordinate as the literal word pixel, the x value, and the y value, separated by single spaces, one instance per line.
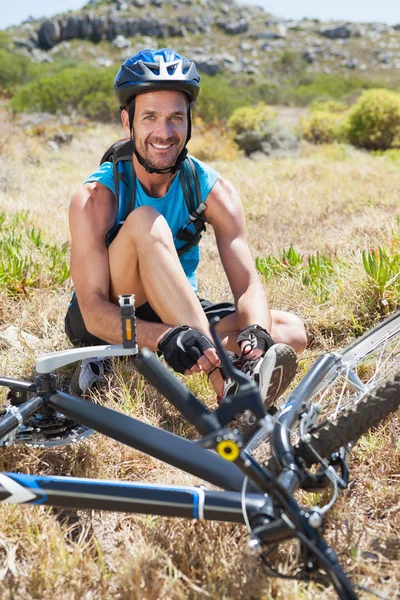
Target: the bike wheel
pixel 352 424
pixel 357 394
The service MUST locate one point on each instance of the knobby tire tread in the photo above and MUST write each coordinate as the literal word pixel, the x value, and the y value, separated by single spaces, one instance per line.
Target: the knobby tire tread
pixel 351 425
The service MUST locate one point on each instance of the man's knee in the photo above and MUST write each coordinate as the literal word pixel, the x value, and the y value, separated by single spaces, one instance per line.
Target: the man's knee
pixel 147 224
pixel 289 329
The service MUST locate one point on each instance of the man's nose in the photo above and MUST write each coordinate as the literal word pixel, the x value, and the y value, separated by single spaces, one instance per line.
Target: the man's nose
pixel 164 128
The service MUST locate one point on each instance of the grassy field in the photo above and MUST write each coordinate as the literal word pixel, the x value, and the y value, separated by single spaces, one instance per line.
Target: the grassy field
pixel 332 200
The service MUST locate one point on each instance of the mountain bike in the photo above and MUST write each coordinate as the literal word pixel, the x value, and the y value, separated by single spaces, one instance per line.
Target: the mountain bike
pixel 338 400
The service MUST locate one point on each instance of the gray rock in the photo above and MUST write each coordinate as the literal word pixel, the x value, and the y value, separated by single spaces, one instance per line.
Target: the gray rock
pixel 40 57
pixel 341 32
pixel 19 339
pixel 234 27
pixel 257 155
pixel 121 5
pixel 228 58
pixel 71 28
pixel 99 29
pixel 207 65
pixel 246 47
pixel 350 64
pixel 27 43
pixel 249 142
pixel 53 145
pixel 4 183
pixel 121 42
pixel 309 56
pixel 269 35
pixel 49 34
pixel 251 70
pixel 87 27
pixel 104 61
pixel 62 138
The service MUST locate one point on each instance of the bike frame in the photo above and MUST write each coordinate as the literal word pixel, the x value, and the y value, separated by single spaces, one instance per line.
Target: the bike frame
pixel 254 491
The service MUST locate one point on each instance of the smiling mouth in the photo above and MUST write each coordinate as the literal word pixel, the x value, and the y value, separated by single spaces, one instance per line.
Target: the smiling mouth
pixel 161 146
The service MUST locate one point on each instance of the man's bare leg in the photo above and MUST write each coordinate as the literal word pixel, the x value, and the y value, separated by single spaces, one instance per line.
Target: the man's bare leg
pixel 143 260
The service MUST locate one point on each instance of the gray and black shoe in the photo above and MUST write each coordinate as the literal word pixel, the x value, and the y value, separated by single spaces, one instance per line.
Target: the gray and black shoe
pixel 88 375
pixel 272 372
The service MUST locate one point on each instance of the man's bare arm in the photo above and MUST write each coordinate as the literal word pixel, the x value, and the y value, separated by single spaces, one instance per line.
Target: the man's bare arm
pixel 92 214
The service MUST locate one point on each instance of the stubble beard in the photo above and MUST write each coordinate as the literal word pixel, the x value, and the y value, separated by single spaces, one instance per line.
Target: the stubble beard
pixel 147 152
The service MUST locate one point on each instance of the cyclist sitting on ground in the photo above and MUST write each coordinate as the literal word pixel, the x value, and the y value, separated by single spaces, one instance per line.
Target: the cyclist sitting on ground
pixel 156 91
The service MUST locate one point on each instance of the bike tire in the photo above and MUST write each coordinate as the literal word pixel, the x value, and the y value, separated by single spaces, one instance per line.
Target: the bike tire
pixel 346 410
pixel 350 426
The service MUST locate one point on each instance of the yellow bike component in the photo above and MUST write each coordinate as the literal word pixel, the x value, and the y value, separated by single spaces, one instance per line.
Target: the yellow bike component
pixel 228 449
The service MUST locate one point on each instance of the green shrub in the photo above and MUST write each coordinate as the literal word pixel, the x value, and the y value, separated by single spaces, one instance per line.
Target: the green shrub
pixel 323 127
pixel 326 86
pixel 15 69
pixel 218 100
pixel 26 261
pixel 316 272
pixel 77 88
pixel 332 106
pixel 251 118
pixel 374 121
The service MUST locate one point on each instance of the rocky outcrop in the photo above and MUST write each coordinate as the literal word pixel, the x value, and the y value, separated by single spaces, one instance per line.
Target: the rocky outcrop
pixel 234 27
pixel 341 32
pixel 259 40
pixel 97 28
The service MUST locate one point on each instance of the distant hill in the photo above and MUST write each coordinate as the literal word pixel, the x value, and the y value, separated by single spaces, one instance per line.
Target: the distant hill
pixel 222 37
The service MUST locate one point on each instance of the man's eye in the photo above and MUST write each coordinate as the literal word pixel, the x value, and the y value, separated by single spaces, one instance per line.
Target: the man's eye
pixel 149 117
pixel 177 118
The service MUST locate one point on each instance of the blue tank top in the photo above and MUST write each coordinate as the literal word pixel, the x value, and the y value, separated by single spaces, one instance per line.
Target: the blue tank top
pixel 172 206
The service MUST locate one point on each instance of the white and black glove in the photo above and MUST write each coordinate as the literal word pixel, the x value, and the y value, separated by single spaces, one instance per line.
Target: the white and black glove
pixel 256 336
pixel 182 347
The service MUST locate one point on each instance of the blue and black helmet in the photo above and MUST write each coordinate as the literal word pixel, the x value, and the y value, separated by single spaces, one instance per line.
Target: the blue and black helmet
pixel 153 70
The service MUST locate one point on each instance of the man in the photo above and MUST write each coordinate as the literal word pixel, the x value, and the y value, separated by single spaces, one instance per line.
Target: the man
pixel 157 90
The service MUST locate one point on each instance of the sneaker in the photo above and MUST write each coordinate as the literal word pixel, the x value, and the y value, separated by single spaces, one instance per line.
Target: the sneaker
pixel 272 372
pixel 87 375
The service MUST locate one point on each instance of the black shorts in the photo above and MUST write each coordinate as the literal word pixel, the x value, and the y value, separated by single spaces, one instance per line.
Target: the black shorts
pixel 78 334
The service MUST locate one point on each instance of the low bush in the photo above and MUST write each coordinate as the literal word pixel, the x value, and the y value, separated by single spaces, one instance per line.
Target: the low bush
pixel 332 106
pixel 211 141
pixel 26 261
pixel 326 86
pixel 77 88
pixel 251 118
pixel 255 129
pixel 323 127
pixel 15 70
pixel 217 100
pixel 374 121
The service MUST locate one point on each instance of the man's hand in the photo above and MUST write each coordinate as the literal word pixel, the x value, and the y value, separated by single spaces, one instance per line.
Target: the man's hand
pixel 254 340
pixel 187 350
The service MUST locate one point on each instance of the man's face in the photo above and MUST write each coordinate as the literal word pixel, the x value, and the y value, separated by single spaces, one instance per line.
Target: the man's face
pixel 160 127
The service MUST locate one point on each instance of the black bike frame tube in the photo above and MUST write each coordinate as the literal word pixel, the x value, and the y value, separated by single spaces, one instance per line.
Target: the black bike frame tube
pixel 172 389
pixel 164 500
pixel 17 384
pixel 165 446
pixel 281 435
pixel 10 421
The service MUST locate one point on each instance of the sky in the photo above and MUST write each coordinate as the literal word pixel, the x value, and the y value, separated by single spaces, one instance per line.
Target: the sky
pixel 384 11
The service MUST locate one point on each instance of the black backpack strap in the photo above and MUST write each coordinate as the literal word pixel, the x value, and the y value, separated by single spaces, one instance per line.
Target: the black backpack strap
pixel 191 190
pixel 119 154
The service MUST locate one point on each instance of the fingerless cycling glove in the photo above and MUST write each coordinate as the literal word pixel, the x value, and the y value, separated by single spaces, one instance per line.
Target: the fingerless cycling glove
pixel 182 347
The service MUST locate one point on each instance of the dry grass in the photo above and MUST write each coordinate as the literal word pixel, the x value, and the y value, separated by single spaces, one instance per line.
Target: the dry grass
pixel 331 197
